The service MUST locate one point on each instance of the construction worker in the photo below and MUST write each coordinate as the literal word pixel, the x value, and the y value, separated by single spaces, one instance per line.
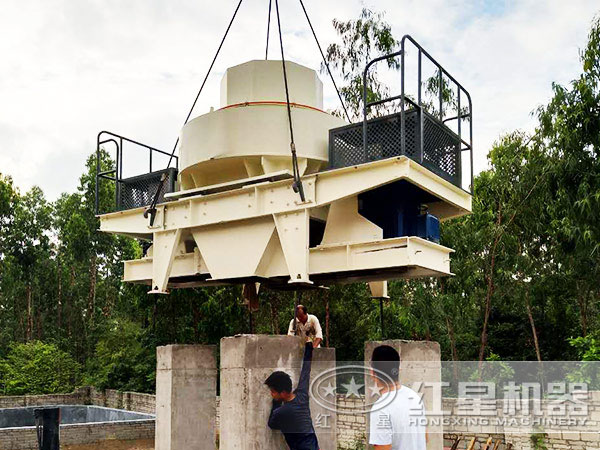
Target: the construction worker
pixel 307 326
pixel 290 412
pixel 396 417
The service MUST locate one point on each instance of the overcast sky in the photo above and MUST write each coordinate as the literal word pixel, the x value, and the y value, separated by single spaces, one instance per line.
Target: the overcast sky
pixel 70 68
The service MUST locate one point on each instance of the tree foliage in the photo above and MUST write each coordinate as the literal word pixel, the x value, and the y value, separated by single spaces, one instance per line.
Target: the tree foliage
pixel 526 262
pixel 38 368
pixel 360 39
pixel 123 359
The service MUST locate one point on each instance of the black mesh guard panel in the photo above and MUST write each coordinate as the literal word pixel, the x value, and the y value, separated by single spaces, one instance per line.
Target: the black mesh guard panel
pixel 136 192
pixel 440 149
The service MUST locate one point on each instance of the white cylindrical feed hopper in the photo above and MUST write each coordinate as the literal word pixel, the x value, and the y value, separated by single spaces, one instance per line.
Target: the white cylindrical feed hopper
pixel 250 136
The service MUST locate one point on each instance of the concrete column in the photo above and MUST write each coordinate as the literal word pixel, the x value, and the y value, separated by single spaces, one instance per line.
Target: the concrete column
pixel 246 362
pixel 186 389
pixel 420 369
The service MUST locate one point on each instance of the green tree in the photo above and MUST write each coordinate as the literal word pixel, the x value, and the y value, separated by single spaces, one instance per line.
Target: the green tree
pixel 27 259
pixel 570 133
pixel 122 360
pixel 361 40
pixel 588 347
pixel 8 197
pixel 38 368
pixel 89 263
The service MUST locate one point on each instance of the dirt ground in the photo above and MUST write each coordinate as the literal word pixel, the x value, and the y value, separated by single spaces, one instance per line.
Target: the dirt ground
pixel 139 444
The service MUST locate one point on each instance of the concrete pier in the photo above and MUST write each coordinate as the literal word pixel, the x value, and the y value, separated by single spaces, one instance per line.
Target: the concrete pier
pixel 186 387
pixel 246 361
pixel 420 369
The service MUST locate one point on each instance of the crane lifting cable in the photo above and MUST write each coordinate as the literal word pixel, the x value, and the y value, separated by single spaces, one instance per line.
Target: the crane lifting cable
pixel 325 61
pixel 151 211
pixel 297 185
pixel 268 31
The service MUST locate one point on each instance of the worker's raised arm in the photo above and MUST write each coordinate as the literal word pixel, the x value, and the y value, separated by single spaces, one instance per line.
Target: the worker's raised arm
pixel 291 328
pixel 318 333
pixel 305 373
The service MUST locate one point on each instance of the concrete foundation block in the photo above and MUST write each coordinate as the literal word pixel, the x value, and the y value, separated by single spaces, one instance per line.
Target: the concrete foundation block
pixel 246 362
pixel 420 369
pixel 186 386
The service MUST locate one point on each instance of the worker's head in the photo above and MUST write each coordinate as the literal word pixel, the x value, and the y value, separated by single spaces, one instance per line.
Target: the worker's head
pixel 301 313
pixel 385 365
pixel 280 385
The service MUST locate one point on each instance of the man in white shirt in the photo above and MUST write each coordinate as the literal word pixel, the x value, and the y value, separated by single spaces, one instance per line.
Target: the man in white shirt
pixel 397 417
pixel 307 326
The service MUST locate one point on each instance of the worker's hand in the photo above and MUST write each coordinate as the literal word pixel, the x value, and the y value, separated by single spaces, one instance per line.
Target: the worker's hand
pixel 316 342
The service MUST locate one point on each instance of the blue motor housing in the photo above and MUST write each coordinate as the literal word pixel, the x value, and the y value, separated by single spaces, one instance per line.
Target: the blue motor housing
pixel 427 226
pixel 398 209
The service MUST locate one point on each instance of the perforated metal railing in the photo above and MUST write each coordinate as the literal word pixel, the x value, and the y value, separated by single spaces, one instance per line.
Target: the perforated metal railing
pixel 413 131
pixel 384 140
pixel 131 191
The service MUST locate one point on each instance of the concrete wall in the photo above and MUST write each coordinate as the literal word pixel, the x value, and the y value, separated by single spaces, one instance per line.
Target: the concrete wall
pixel 554 436
pixel 351 431
pixel 186 387
pixel 77 434
pixel 109 398
pixel 352 428
pixel 78 397
pixel 69 414
pixel 246 362
pixel 132 401
pixel 137 435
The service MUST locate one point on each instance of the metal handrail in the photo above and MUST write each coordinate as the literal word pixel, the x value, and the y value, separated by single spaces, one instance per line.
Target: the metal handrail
pixel 418 105
pixel 366 105
pixel 118 141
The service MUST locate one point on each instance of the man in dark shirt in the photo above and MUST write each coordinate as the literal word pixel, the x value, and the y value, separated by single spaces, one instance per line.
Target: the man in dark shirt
pixel 290 412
